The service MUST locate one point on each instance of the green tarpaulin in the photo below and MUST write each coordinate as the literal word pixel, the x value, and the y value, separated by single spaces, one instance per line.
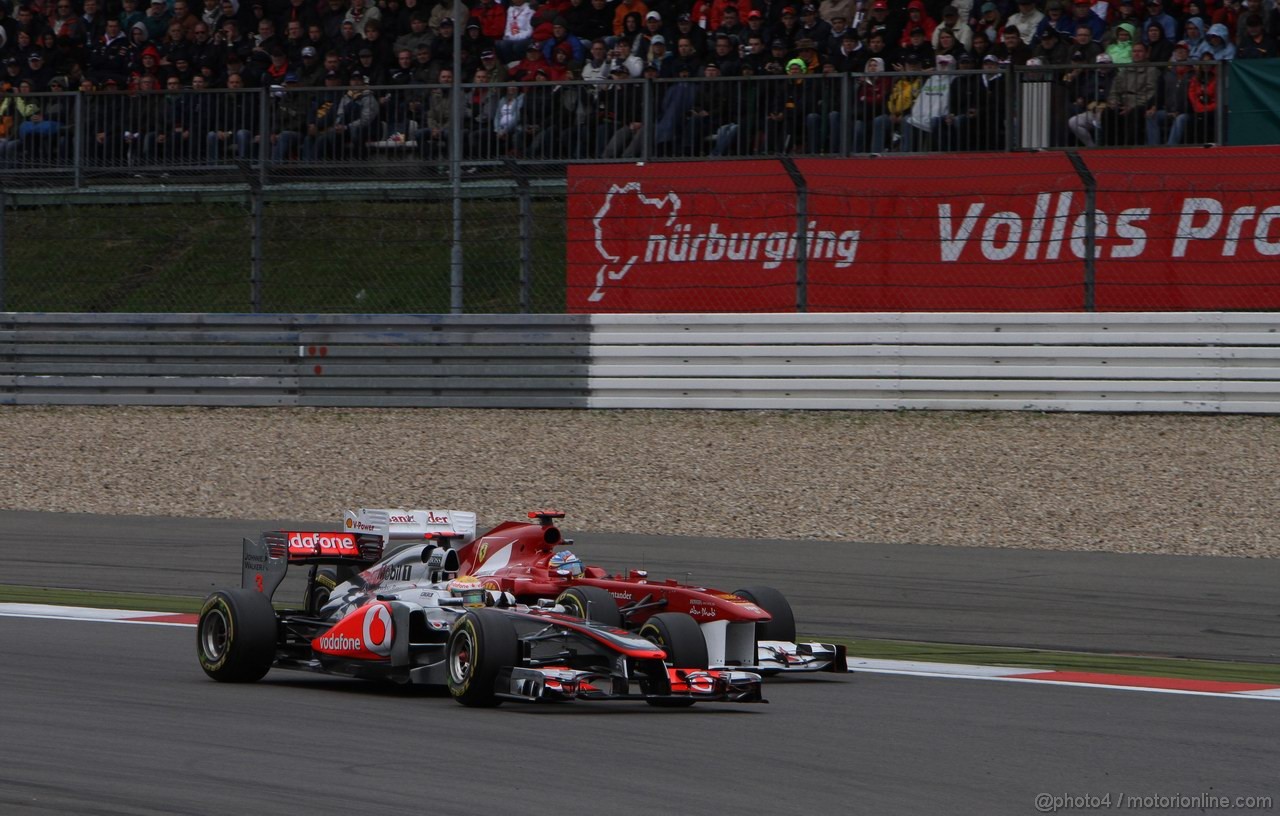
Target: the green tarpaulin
pixel 1253 117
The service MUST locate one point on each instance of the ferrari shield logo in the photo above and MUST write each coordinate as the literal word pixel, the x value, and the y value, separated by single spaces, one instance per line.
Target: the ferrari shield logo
pixel 482 552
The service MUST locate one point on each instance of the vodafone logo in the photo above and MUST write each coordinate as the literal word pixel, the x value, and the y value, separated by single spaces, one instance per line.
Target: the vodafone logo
pixel 378 629
pixel 322 544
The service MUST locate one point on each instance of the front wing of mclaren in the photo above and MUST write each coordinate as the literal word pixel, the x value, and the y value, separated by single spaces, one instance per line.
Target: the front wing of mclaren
pixel 562 684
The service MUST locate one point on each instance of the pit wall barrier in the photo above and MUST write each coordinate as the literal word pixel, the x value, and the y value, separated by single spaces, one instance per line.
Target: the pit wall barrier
pixel 1120 362
pixel 1103 230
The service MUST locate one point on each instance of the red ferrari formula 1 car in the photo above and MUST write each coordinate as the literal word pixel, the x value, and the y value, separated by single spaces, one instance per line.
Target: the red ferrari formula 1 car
pixel 752 628
pixel 407 616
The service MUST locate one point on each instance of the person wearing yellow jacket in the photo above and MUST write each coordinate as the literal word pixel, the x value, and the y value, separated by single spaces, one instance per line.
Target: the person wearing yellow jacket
pixel 901 98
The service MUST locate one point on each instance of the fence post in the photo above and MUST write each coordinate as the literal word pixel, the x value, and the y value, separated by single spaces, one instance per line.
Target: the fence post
pixel 255 244
pixel 4 245
pixel 77 141
pixel 802 232
pixel 1010 100
pixel 264 134
pixel 646 132
pixel 1090 227
pixel 526 244
pixel 846 112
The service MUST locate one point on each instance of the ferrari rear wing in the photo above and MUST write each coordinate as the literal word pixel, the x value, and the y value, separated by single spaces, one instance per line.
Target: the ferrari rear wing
pixel 457 526
pixel 266 560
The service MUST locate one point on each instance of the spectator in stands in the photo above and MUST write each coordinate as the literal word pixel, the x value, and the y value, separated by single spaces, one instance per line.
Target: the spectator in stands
pixel 1121 48
pixel 1159 49
pixel 930 108
pixel 713 115
pixel 518 33
pixel 1132 94
pixel 1156 15
pixel 917 46
pixel 885 127
pixel 1090 89
pixel 1027 20
pixel 1217 45
pixel 849 56
pixel 1193 34
pixel 879 21
pixel 980 47
pixel 418 33
pixel 989 22
pixel 1256 44
pixel 593 23
pixel 479 109
pixel 813 27
pixel 870 98
pixel 433 136
pixel 1203 93
pixel 234 124
pixel 1085 45
pixel 1056 18
pixel 1173 104
pixel 1052 49
pixel 507 124
pixel 1011 48
pixel 288 119
pixel 621 125
pixel 986 124
pixel 948 45
pixel 1082 15
pixel 962 33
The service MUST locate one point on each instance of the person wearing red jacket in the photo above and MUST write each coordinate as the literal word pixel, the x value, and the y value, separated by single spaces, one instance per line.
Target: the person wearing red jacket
pixel 491 17
pixel 1202 93
pixel 917 19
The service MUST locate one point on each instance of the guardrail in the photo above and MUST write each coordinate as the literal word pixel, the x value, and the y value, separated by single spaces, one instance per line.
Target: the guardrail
pixel 504 361
pixel 1157 362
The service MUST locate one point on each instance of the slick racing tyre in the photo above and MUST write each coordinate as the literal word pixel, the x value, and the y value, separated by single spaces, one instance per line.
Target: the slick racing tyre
pixel 236 635
pixel 591 603
pixel 318 590
pixel 682 640
pixel 482 643
pixel 783 625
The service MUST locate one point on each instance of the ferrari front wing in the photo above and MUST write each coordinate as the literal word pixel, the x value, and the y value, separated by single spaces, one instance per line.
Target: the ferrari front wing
pixel 778 656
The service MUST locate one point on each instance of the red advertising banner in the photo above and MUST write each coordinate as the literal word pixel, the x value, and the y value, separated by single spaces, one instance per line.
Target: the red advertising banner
pixel 1174 229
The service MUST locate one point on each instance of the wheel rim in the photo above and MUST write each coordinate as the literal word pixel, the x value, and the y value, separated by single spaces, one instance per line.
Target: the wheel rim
pixel 460 660
pixel 215 634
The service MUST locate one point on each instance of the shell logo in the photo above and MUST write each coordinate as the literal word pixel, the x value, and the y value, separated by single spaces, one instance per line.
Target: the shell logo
pixel 378 629
pixel 350 524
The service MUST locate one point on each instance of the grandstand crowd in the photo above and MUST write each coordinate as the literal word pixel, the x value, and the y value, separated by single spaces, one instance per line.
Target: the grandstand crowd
pixel 341 78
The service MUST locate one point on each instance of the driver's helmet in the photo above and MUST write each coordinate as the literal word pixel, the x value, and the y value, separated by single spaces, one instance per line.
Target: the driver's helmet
pixel 566 563
pixel 470 590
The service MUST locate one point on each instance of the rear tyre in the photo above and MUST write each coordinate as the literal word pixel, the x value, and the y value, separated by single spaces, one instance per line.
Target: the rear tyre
pixel 591 603
pixel 482 643
pixel 783 625
pixel 318 590
pixel 682 640
pixel 236 635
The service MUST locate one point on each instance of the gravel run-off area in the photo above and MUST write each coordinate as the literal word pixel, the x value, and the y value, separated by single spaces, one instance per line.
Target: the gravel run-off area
pixel 1185 484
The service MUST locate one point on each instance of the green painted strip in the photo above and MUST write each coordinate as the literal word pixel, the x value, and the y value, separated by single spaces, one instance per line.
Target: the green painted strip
pixel 1142 665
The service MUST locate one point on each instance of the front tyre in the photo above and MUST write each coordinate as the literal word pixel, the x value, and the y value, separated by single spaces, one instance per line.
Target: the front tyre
pixel 236 635
pixel 482 643
pixel 783 625
pixel 681 638
pixel 591 603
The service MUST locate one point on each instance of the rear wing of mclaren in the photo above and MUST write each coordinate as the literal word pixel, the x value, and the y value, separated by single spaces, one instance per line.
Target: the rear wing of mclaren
pixel 266 560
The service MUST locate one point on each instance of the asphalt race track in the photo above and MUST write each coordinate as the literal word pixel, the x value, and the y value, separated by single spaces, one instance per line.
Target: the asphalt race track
pixel 1224 608
pixel 101 718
